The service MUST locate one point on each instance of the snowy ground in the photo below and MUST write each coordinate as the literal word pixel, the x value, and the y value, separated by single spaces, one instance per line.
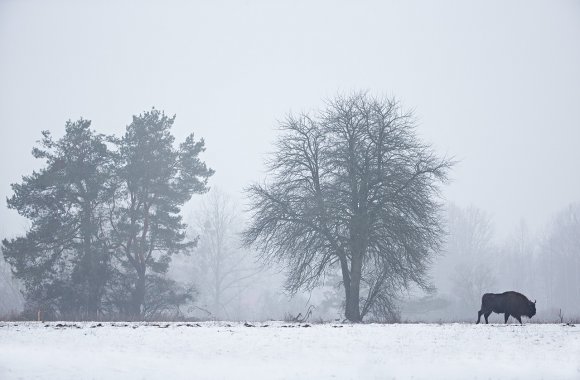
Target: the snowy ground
pixel 287 351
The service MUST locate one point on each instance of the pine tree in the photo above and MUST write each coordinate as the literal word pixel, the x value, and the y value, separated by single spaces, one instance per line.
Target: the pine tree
pixel 63 260
pixel 154 181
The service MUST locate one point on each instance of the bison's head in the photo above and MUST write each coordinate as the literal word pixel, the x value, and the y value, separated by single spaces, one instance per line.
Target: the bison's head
pixel 531 309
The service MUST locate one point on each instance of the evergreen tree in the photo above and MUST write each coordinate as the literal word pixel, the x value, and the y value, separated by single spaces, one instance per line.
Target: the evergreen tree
pixel 63 260
pixel 154 180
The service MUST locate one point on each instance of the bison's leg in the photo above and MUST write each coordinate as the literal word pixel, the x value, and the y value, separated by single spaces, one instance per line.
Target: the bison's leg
pixel 479 313
pixel 506 316
pixel 519 318
pixel 487 313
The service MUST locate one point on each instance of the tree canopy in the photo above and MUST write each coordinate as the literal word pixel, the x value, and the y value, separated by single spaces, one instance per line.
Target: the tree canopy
pixel 352 188
pixel 105 218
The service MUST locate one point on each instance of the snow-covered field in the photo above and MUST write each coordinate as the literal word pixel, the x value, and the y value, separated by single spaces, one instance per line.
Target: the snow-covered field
pixel 287 351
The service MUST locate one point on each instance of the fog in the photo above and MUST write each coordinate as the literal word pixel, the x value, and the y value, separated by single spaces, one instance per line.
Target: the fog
pixel 495 85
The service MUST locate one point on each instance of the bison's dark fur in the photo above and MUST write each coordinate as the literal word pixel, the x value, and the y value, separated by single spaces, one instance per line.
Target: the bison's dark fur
pixel 508 303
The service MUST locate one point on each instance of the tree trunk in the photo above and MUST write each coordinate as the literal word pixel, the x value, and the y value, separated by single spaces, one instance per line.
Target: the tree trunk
pixel 352 309
pixel 346 285
pixel 217 273
pixel 217 300
pixel 91 267
pixel 139 297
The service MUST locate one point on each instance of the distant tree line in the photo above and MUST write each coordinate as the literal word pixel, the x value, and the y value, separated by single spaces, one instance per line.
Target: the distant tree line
pixel 352 196
pixel 105 219
pixel 543 265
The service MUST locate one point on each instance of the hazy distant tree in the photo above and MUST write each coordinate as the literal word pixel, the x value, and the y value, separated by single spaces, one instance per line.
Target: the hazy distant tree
pixel 471 281
pixel 10 297
pixel 546 269
pixel 517 260
pixel 353 186
pixel 154 180
pixel 470 231
pixel 469 251
pixel 223 270
pixel 63 260
pixel 559 262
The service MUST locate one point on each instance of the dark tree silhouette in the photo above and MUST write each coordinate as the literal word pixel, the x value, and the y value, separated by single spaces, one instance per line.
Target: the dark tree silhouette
pixel 63 260
pixel 154 180
pixel 351 187
pixel 105 220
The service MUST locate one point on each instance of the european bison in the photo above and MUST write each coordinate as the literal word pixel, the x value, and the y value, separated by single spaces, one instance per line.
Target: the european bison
pixel 508 303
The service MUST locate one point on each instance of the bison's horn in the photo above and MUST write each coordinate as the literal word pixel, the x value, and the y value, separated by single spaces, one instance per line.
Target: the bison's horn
pixel 534 301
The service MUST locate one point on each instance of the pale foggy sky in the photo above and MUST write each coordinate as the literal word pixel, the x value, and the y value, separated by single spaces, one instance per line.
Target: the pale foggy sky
pixel 494 83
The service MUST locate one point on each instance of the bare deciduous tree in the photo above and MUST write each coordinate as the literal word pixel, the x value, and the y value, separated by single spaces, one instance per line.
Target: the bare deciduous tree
pixel 468 253
pixel 351 186
pixel 223 269
pixel 559 261
pixel 517 259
